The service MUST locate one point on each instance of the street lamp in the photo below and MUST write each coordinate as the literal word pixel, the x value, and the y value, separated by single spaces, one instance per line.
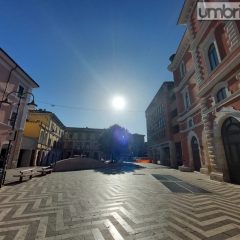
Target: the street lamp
pixel 4 102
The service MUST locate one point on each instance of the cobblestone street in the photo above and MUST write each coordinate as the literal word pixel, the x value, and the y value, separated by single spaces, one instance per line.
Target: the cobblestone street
pixel 125 202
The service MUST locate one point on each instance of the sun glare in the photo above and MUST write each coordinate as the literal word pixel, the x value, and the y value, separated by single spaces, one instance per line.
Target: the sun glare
pixel 118 103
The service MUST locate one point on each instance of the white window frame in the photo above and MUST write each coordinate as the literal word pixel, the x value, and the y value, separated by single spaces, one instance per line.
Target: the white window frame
pixel 205 47
pixel 216 89
pixel 184 92
pixel 24 88
pixel 14 110
pixel 183 69
pixel 188 125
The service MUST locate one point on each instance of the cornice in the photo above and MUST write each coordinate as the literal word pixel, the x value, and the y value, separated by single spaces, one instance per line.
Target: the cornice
pixel 186 11
pixel 182 49
pixel 184 80
pixel 223 102
pixel 189 113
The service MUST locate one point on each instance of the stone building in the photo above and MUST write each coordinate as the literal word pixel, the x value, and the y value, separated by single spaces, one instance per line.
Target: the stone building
pixel 162 126
pixel 15 85
pixel 213 47
pixel 136 145
pixel 42 142
pixel 82 141
pixel 189 109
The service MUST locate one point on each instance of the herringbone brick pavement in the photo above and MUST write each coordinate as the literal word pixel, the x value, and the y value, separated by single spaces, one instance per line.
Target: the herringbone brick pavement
pixel 132 205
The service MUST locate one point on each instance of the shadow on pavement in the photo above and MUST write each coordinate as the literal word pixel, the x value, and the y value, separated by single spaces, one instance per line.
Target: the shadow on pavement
pixel 119 168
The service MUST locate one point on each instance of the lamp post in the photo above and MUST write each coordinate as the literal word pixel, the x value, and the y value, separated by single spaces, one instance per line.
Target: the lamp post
pixel 14 120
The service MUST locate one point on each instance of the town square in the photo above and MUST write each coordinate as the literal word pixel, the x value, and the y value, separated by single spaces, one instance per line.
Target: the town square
pixel 120 119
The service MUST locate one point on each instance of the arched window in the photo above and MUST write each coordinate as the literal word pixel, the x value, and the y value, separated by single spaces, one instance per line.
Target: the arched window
pixel 182 69
pixel 221 94
pixel 190 123
pixel 187 100
pixel 212 56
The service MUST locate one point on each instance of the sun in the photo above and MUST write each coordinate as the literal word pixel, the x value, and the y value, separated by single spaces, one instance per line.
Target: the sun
pixel 118 103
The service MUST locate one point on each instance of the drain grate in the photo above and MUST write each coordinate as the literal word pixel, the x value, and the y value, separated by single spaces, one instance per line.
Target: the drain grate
pixel 177 185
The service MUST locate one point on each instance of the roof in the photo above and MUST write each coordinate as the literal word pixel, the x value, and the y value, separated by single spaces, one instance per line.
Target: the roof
pixel 186 11
pixel 53 115
pixel 182 48
pixel 137 134
pixel 84 128
pixel 23 71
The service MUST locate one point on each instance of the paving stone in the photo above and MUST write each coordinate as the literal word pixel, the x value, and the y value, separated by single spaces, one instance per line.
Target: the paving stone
pixel 133 205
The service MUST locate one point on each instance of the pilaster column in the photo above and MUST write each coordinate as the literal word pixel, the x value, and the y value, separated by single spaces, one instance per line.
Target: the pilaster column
pixel 208 130
pixel 195 55
pixel 35 158
pixel 209 134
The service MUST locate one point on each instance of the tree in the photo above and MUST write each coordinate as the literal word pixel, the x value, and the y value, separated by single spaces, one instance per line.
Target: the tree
pixel 114 142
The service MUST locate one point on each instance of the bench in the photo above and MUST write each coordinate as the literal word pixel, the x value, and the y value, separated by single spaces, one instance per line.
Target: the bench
pixel 25 173
pixel 45 170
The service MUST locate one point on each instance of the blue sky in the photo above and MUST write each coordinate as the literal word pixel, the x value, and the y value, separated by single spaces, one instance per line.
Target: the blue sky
pixel 84 52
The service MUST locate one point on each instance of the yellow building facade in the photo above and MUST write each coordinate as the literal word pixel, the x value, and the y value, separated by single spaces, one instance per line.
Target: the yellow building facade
pixel 42 141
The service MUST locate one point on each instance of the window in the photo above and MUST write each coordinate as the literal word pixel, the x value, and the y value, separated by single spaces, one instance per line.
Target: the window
pixel 187 100
pixel 13 118
pixel 190 123
pixel 49 142
pixel 175 129
pixel 212 56
pixel 75 135
pixel 173 97
pixel 45 138
pixel 41 138
pixel 221 94
pixel 20 91
pixel 182 70
pixel 174 113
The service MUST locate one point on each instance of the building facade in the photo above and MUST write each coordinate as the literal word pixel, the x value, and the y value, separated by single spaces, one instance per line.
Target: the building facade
pixel 82 141
pixel 136 145
pixel 42 142
pixel 162 127
pixel 14 84
pixel 214 49
pixel 189 108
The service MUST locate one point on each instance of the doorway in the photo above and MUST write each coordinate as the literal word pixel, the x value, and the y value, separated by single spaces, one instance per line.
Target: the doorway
pixel 231 142
pixel 195 154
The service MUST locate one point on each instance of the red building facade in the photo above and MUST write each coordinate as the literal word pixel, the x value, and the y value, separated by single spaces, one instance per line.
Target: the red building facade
pixel 189 108
pixel 206 71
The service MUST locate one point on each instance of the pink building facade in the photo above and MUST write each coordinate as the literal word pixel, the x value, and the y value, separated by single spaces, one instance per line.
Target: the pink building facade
pixel 13 81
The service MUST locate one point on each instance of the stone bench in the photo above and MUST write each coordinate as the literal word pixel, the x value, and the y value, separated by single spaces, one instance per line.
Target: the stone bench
pixel 27 173
pixel 45 170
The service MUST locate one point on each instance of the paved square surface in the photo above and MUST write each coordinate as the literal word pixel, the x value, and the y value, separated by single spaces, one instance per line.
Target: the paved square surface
pixel 119 203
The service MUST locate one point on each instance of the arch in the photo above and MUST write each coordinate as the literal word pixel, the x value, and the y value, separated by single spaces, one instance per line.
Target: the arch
pixel 192 135
pixel 231 140
pixel 216 89
pixel 221 116
pixel 195 154
pixel 221 94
